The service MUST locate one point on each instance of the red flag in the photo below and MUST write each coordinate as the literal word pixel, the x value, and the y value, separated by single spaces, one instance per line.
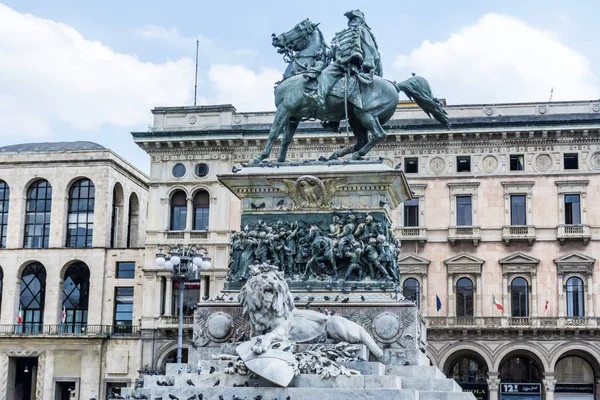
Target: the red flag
pixel 20 316
pixel 546 306
pixel 64 315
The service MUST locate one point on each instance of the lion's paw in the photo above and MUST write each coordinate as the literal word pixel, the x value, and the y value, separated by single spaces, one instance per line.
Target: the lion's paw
pixel 259 348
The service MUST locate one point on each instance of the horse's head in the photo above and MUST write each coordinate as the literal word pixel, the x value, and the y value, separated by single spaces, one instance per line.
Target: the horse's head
pixel 296 38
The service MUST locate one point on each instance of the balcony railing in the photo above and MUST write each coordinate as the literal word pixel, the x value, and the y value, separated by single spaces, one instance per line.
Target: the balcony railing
pixel 173 320
pixel 412 233
pixel 67 330
pixel 464 233
pixel 513 322
pixel 178 236
pixel 518 232
pixel 581 232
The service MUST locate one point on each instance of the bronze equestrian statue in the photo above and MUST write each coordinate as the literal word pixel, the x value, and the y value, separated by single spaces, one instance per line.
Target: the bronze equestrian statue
pixel 332 83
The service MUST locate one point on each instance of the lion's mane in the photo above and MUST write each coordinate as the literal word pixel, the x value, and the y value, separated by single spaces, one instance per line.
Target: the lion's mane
pixel 256 308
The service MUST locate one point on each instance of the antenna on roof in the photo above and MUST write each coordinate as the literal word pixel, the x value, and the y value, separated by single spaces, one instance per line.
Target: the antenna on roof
pixel 196 73
pixel 551 93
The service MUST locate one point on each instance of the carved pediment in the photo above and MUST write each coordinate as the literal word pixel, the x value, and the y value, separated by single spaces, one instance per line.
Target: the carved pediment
pixel 575 263
pixel 519 258
pixel 413 259
pixel 575 258
pixel 464 263
pixel 413 264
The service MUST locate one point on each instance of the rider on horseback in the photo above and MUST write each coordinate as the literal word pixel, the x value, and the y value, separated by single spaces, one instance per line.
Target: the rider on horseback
pixel 354 50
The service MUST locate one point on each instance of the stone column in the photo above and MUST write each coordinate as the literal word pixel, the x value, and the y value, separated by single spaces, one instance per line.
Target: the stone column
pixel 169 296
pixel 590 300
pixel 534 296
pixel 158 294
pixel 478 298
pixel 561 296
pixel 189 220
pixel 450 306
pixel 424 310
pixel 504 295
pixel 493 385
pixel 549 384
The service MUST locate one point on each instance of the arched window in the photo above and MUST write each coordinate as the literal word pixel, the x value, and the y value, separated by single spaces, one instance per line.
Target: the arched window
pixel 4 197
pixel 32 297
pixel 1 285
pixel 76 290
pixel 519 293
pixel 575 298
pixel 464 297
pixel 410 288
pixel 37 215
pixel 201 208
pixel 467 370
pixel 117 211
pixel 133 221
pixel 178 211
pixel 520 369
pixel 574 370
pixel 80 226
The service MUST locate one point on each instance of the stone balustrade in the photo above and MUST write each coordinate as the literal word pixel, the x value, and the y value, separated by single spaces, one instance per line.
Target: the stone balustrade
pixel 67 330
pixel 513 322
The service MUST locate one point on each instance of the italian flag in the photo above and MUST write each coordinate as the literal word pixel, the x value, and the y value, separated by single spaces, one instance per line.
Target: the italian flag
pixel 497 303
pixel 20 316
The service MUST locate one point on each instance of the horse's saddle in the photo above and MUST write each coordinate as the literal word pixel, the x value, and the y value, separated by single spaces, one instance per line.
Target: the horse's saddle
pixel 350 90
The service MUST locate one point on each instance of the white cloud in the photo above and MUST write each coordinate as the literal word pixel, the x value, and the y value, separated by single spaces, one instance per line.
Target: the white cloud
pixel 244 88
pixel 501 59
pixel 49 72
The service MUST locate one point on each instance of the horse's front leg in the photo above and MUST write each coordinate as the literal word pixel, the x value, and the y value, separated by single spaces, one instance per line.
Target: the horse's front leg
pixel 288 135
pixel 371 123
pixel 282 117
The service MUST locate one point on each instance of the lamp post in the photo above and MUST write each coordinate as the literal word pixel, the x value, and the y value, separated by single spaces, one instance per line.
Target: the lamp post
pixel 185 263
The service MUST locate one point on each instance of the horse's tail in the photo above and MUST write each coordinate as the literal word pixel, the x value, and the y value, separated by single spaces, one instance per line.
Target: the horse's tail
pixel 418 90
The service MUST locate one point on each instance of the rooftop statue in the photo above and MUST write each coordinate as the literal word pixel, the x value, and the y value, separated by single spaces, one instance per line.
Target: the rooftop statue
pixel 338 82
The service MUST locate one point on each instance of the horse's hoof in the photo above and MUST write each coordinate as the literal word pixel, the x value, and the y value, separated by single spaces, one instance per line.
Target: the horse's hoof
pixel 334 156
pixel 356 156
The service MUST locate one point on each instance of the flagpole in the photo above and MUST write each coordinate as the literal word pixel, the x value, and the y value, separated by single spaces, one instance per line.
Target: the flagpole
pixel 196 73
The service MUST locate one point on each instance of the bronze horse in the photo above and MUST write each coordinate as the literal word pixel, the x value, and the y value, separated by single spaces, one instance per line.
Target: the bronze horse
pixel 304 47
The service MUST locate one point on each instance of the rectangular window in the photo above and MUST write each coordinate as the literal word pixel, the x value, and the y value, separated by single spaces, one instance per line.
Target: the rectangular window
pixel 411 212
pixel 463 211
pixel 517 210
pixel 411 165
pixel 178 218
pixel 123 309
pixel 517 162
pixel 463 164
pixel 125 270
pixel 571 161
pixel 572 209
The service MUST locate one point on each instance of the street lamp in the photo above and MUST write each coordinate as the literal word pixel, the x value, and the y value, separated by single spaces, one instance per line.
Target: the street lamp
pixel 185 263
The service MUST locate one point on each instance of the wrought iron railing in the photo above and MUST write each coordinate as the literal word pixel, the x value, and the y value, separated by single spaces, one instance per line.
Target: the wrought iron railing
pixel 68 330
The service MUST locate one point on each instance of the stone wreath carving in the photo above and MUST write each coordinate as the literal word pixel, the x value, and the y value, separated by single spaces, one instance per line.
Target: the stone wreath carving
pixel 309 191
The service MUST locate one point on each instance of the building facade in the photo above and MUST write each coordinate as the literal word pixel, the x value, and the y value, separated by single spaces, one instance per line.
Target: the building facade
pixel 72 221
pixel 500 243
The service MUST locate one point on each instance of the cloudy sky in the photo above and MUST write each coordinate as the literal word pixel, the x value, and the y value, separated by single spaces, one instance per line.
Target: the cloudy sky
pixel 93 70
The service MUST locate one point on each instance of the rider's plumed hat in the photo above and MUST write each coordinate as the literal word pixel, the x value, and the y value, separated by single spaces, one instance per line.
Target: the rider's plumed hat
pixel 355 14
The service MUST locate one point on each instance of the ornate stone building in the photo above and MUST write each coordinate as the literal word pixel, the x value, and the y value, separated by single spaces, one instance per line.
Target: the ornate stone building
pixel 72 223
pixel 500 243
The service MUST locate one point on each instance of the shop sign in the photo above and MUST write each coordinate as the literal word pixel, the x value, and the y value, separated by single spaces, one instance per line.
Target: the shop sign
pixel 479 390
pixel 574 388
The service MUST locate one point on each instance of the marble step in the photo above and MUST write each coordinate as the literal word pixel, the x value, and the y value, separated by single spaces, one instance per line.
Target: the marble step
pixel 348 382
pixel 292 393
pixel 415 371
pixel 428 384
pixel 431 395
